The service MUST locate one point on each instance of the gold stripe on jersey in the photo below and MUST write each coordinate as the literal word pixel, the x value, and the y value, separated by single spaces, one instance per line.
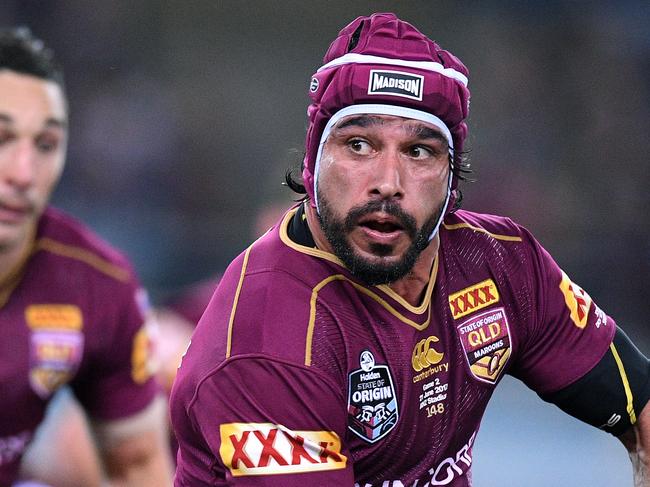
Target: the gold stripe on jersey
pixel 456 226
pixel 626 384
pixel 236 300
pixel 83 255
pixel 314 252
pixel 427 295
pixel 361 289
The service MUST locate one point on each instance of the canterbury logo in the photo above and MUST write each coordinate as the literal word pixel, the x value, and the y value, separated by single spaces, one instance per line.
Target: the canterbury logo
pixel 424 355
pixel 267 449
pixel 473 298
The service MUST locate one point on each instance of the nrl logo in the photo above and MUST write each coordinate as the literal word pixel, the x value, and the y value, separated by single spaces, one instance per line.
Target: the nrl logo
pixel 396 83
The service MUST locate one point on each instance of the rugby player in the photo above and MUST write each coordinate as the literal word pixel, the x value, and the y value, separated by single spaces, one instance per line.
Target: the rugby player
pixel 359 341
pixel 71 309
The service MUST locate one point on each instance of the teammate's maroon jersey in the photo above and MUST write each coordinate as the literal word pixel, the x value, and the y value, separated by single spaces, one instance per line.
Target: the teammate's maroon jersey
pixel 298 374
pixel 71 314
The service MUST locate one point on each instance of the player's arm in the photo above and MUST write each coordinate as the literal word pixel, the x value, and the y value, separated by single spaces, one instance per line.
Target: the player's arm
pixel 258 422
pixel 135 450
pixel 614 396
pixel 637 441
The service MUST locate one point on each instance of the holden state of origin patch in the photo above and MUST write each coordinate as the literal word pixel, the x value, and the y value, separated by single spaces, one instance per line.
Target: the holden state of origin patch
pixel 372 403
pixel 486 341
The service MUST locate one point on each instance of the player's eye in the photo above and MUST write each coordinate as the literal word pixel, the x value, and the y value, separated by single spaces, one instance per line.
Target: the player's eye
pixel 359 146
pixel 6 136
pixel 419 152
pixel 47 143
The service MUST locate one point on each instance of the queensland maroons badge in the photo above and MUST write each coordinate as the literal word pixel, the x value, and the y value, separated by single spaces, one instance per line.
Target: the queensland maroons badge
pixel 372 403
pixel 486 341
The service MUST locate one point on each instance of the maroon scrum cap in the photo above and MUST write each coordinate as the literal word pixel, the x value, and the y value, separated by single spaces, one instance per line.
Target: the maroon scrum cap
pixel 383 65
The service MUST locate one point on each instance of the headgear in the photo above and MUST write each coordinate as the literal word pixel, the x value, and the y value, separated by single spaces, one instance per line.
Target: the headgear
pixel 383 65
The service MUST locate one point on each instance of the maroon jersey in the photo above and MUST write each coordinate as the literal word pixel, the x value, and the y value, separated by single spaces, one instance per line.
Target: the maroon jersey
pixel 299 374
pixel 72 314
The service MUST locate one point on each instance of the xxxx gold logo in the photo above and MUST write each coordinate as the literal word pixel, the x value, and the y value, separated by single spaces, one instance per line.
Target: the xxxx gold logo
pixel 473 298
pixel 54 316
pixel 424 355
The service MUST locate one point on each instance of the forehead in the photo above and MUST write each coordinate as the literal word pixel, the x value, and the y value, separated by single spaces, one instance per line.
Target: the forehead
pixel 410 126
pixel 28 101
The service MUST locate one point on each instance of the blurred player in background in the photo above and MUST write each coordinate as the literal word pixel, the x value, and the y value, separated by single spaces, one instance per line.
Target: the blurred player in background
pixel 360 340
pixel 71 309
pixel 66 423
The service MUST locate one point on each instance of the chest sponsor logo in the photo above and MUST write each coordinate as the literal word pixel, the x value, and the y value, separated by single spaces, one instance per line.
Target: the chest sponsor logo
pixel 270 449
pixel 486 342
pixel 372 403
pixel 396 83
pixel 444 473
pixel 577 300
pixel 56 345
pixel 473 298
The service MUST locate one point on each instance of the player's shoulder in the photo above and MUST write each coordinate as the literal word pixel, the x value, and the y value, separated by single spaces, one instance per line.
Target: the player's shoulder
pixel 464 224
pixel 71 242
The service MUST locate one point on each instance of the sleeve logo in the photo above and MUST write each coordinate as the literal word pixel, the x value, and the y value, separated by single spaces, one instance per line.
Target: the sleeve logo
pixel 473 298
pixel 144 363
pixel 271 449
pixel 577 300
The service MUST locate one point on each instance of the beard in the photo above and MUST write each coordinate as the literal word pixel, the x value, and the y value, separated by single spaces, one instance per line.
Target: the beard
pixel 376 271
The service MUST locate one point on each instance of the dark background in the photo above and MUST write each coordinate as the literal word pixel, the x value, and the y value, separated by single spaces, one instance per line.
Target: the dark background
pixel 185 115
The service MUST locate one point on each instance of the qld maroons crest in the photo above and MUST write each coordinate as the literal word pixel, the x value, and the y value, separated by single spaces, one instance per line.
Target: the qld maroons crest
pixel 56 345
pixel 486 341
pixel 372 403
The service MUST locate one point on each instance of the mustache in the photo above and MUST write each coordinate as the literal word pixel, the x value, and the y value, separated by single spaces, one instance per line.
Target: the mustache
pixel 406 221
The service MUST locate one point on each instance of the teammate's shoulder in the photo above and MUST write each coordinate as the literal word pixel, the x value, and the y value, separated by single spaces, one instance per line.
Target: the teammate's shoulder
pixel 488 226
pixel 62 235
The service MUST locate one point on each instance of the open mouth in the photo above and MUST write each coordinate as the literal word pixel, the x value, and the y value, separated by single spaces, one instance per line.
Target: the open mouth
pixel 381 224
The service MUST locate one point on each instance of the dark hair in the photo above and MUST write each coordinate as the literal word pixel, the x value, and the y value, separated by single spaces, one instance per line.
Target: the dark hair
pixel 461 169
pixel 23 53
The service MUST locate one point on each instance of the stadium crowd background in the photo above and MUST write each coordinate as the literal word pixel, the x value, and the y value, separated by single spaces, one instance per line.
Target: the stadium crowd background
pixel 185 115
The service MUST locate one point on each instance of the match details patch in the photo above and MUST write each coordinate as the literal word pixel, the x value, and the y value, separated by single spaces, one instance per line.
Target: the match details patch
pixel 577 300
pixel 271 449
pixel 372 402
pixel 486 342
pixel 396 83
pixel 473 298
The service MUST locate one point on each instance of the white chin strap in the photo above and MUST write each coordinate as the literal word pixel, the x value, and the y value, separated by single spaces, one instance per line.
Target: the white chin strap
pixel 379 109
pixel 444 207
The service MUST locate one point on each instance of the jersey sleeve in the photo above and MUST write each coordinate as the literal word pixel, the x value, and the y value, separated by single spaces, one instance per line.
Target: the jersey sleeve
pixel 566 333
pixel 117 377
pixel 257 421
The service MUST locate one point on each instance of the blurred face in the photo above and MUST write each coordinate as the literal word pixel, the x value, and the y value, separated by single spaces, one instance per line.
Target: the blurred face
pixel 381 188
pixel 33 138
